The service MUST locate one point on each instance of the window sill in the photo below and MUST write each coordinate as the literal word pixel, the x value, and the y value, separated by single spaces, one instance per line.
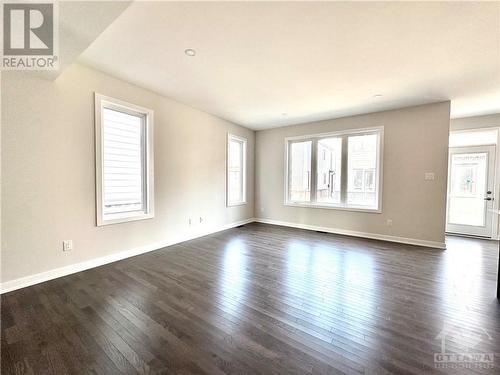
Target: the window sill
pixel 234 204
pixel 331 207
pixel 124 219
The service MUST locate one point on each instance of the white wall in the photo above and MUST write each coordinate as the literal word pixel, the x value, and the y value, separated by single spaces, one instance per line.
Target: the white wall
pixel 48 170
pixel 415 142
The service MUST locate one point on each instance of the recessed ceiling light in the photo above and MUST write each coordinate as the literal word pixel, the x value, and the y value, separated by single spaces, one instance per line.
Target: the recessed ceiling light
pixel 377 96
pixel 190 52
pixel 284 114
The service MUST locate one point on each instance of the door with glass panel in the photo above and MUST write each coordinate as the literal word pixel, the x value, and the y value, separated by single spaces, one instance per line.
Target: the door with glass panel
pixel 470 190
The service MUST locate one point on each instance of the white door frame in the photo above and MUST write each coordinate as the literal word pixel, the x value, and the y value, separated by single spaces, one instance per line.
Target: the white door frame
pixel 488 230
pixel 495 235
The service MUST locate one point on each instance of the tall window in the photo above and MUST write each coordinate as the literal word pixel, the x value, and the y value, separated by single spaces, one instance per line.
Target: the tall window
pixel 124 161
pixel 236 170
pixel 300 171
pixel 336 170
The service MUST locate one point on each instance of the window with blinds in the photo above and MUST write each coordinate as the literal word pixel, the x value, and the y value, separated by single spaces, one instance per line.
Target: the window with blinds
pixel 123 157
pixel 236 170
pixel 123 137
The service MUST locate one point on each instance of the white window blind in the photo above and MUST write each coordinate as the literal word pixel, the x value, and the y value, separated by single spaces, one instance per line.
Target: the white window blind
pixel 124 162
pixel 123 156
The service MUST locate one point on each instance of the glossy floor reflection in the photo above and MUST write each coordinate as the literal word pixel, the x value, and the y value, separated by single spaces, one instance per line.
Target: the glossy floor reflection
pixel 264 299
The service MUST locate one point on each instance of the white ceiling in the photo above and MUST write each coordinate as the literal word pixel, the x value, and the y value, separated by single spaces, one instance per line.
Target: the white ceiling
pixel 255 61
pixel 80 23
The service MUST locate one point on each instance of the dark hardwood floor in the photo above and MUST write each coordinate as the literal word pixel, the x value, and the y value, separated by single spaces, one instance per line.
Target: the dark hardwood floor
pixel 263 299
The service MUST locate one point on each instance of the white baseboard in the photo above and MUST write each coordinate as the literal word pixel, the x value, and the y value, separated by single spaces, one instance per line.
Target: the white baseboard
pixel 23 282
pixel 346 232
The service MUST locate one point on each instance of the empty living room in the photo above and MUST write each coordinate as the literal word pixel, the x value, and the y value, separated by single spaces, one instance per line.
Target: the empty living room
pixel 260 187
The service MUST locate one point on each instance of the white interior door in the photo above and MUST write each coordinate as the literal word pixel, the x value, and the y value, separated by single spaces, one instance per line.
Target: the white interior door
pixel 470 190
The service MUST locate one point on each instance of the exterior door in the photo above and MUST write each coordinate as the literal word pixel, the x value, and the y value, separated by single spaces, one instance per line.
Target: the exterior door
pixel 470 190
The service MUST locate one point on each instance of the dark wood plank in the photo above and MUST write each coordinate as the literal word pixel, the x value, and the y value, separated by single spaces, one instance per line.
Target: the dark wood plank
pixel 261 299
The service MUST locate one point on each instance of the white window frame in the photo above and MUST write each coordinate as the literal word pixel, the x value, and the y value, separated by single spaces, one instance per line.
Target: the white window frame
pixel 102 101
pixel 243 141
pixel 314 138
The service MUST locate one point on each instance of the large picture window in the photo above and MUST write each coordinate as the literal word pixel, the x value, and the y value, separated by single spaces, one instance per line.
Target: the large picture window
pixel 124 161
pixel 337 170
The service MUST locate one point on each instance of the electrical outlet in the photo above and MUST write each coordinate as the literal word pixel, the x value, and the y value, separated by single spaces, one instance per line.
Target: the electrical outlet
pixel 429 176
pixel 201 220
pixel 67 245
pixel 389 222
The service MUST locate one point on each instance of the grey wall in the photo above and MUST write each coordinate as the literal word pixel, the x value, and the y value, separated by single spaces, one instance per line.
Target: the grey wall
pixel 475 122
pixel 415 142
pixel 48 180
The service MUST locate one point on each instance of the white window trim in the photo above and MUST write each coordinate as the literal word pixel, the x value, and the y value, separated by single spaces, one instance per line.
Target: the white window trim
pixel 475 130
pixel 315 137
pixel 244 170
pixel 108 102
